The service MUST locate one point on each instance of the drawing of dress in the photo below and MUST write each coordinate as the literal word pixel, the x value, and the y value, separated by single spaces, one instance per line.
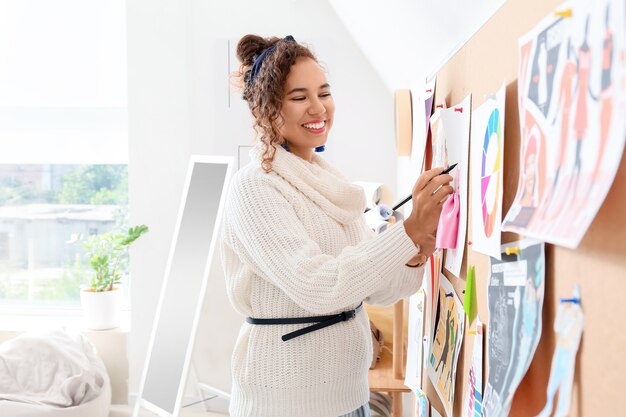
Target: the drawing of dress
pixel 542 88
pixel 606 99
pixel 565 102
pixel 580 117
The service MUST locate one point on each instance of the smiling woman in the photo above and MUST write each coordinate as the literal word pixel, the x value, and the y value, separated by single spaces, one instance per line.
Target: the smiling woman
pixel 298 256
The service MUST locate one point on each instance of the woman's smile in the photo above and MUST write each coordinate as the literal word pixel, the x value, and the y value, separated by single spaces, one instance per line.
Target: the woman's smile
pixel 317 127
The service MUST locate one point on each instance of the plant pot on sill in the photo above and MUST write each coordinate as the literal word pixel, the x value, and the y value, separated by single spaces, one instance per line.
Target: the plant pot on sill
pixel 102 309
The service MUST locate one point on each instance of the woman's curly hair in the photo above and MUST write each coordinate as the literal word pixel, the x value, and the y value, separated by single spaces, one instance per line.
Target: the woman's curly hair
pixel 264 93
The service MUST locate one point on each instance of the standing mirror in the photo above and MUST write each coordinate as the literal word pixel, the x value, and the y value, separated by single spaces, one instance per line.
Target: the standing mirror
pixel 184 285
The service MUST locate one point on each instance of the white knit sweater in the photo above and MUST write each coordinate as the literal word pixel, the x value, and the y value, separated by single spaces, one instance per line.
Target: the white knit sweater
pixel 295 243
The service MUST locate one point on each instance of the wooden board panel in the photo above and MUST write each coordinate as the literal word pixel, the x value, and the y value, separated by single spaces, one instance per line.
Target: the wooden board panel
pixel 599 263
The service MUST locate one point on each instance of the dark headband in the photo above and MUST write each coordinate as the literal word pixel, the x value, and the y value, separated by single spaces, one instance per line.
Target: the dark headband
pixel 258 62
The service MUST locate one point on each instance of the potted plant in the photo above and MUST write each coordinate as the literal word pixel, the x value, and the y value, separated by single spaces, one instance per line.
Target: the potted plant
pixel 108 258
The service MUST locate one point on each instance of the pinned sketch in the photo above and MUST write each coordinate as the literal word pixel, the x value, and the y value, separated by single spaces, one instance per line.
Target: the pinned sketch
pixel 421 406
pixel 568 327
pixel 572 92
pixel 447 340
pixel 456 125
pixel 515 293
pixel 421 117
pixel 487 156
pixel 415 343
pixel 473 403
pixel 432 273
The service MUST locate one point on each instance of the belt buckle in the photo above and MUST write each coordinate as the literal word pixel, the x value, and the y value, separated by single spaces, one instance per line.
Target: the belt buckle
pixel 347 315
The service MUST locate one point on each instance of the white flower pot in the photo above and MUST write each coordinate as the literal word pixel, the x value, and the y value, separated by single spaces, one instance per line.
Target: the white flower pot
pixel 102 310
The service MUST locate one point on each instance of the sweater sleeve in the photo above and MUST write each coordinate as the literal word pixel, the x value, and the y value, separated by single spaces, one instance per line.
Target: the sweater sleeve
pixel 267 235
pixel 406 283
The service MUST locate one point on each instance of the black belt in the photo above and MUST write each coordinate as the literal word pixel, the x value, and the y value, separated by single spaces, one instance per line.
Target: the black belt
pixel 322 321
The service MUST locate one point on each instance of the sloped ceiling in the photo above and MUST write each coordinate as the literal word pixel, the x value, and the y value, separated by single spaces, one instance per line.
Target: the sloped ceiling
pixel 407 41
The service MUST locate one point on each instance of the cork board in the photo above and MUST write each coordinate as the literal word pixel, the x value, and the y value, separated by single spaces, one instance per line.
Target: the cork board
pixel 598 264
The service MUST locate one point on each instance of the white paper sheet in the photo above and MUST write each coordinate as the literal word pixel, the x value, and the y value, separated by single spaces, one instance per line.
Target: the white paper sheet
pixel 487 158
pixel 456 125
pixel 415 343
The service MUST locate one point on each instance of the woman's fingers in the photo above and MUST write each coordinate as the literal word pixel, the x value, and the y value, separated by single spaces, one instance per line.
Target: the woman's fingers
pixel 425 178
pixel 437 182
pixel 441 194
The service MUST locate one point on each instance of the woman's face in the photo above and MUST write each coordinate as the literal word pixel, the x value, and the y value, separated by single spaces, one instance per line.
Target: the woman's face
pixel 307 108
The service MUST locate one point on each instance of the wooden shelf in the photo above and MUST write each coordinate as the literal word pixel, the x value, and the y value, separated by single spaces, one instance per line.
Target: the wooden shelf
pixel 388 374
pixel 381 378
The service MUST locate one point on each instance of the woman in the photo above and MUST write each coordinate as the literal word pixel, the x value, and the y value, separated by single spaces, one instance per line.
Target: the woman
pixel 295 247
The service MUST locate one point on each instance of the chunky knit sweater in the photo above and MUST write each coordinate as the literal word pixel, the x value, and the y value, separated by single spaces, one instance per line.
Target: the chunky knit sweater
pixel 294 243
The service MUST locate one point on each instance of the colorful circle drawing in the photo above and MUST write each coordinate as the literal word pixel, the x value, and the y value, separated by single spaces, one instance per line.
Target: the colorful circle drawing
pixel 490 171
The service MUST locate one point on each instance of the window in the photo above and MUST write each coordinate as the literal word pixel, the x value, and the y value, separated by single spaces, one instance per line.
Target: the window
pixel 41 208
pixel 63 143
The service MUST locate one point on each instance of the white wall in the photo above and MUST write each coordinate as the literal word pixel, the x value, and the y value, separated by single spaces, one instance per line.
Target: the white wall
pixel 407 40
pixel 159 147
pixel 178 105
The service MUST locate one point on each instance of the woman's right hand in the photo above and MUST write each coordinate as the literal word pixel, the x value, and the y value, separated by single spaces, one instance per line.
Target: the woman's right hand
pixel 429 193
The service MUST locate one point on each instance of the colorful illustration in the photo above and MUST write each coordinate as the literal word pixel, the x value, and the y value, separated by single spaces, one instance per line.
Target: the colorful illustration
pixel 487 156
pixel 515 293
pixel 491 175
pixel 473 403
pixel 448 336
pixel 568 327
pixel 456 125
pixel 572 84
pixel 432 273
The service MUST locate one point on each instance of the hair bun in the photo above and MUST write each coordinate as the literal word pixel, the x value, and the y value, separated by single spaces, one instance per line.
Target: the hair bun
pixel 250 46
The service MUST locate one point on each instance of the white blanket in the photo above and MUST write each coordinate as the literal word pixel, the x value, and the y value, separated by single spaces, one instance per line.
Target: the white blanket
pixel 53 374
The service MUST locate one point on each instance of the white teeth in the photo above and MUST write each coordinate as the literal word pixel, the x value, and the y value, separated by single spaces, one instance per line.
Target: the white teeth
pixel 314 125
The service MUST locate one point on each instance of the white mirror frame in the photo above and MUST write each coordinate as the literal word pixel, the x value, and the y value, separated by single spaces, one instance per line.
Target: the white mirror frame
pixel 142 402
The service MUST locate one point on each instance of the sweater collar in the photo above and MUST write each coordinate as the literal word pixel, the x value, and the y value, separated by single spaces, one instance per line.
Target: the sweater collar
pixel 320 182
